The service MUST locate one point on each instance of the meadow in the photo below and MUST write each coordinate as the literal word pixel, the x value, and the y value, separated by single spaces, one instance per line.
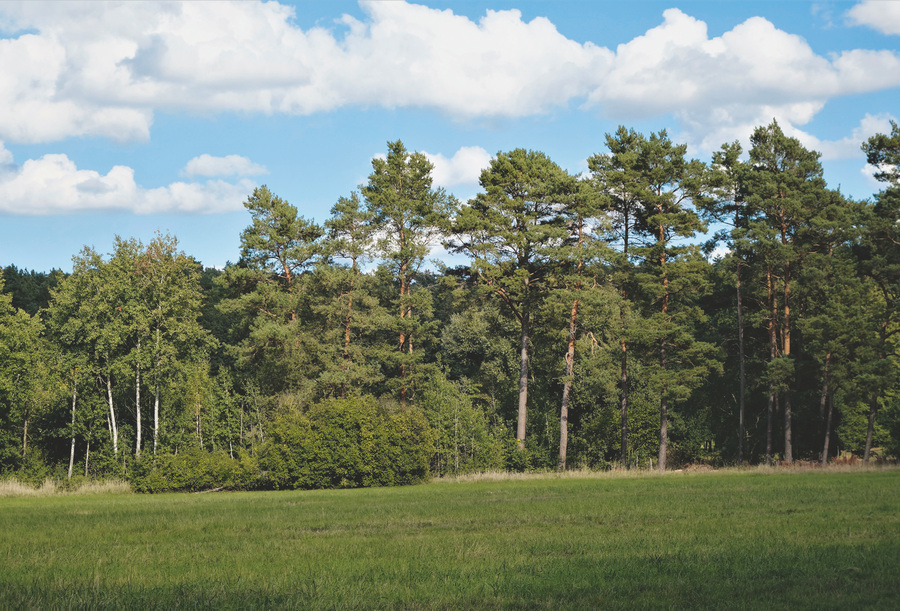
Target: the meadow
pixel 814 539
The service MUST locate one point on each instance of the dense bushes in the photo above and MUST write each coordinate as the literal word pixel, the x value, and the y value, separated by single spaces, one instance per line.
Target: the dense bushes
pixel 193 470
pixel 347 443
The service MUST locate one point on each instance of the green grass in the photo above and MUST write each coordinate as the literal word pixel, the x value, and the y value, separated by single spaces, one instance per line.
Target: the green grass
pixel 798 540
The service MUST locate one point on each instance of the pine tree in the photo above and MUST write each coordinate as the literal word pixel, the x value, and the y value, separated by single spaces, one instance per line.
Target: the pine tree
pixel 511 232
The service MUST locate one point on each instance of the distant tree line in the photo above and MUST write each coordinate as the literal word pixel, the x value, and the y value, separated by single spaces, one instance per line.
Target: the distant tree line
pixel 591 325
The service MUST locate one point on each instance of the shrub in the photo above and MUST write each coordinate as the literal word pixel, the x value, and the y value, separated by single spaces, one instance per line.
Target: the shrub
pixel 193 470
pixel 348 443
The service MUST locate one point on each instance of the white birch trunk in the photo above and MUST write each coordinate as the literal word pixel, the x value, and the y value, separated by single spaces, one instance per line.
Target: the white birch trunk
pixel 72 448
pixel 113 429
pixel 155 419
pixel 137 403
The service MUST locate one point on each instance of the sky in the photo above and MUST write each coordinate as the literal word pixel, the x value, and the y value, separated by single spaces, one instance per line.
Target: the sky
pixel 132 118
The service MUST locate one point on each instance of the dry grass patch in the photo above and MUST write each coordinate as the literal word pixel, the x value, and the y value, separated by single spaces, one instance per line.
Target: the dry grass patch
pixel 700 469
pixel 15 488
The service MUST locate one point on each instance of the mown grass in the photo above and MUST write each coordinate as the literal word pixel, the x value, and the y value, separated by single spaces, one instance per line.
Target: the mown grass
pixel 752 539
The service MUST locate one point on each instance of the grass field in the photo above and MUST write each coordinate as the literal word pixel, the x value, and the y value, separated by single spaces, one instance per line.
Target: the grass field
pixel 799 540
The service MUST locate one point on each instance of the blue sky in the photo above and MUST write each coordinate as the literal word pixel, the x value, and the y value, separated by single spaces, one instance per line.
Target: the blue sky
pixel 137 117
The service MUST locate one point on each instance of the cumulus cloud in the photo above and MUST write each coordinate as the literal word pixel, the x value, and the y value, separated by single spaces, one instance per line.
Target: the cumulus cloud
pixel 230 165
pixel 464 168
pixel 103 69
pixel 54 185
pixel 721 87
pixel 877 14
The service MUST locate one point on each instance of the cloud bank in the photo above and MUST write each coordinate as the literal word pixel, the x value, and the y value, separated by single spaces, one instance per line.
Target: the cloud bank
pixel 103 69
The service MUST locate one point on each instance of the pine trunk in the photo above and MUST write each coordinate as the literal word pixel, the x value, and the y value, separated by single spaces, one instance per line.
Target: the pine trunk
pixel 663 414
pixel 870 432
pixel 770 417
pixel 827 429
pixel 623 382
pixel 773 352
pixel 741 359
pixel 786 351
pixel 664 401
pixel 567 389
pixel 523 385
pixel 623 377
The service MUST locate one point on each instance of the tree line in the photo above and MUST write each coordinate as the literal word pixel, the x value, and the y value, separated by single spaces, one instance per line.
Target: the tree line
pixel 655 311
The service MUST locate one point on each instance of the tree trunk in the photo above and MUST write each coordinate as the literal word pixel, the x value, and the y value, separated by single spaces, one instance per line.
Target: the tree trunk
pixel 741 359
pixel 87 456
pixel 25 438
pixel 113 429
pixel 786 351
pixel 567 389
pixel 199 428
pixel 623 378
pixel 870 432
pixel 788 447
pixel 823 400
pixel 663 400
pixel 72 448
pixel 348 320
pixel 523 385
pixel 623 382
pixel 823 397
pixel 156 394
pixel 404 290
pixel 770 417
pixel 827 428
pixel 137 405
pixel 155 418
pixel 663 414
pixel 773 352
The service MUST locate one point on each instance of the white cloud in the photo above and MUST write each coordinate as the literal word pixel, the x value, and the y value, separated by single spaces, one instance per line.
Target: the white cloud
pixel 464 168
pixel 721 87
pixel 850 146
pixel 103 69
pixel 868 171
pixel 879 15
pixel 54 185
pixel 230 165
pixel 6 158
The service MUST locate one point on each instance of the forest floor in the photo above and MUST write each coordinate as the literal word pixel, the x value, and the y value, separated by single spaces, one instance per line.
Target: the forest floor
pixel 739 538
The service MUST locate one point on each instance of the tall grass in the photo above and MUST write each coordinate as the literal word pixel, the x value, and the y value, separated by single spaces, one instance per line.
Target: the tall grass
pixel 50 487
pixel 738 539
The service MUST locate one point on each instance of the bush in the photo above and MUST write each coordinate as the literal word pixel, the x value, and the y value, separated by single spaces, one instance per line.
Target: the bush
pixel 348 443
pixel 193 470
pixel 464 438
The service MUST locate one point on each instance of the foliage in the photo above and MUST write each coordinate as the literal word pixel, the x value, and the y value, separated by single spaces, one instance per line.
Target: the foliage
pixel 348 443
pixel 193 470
pixel 587 313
